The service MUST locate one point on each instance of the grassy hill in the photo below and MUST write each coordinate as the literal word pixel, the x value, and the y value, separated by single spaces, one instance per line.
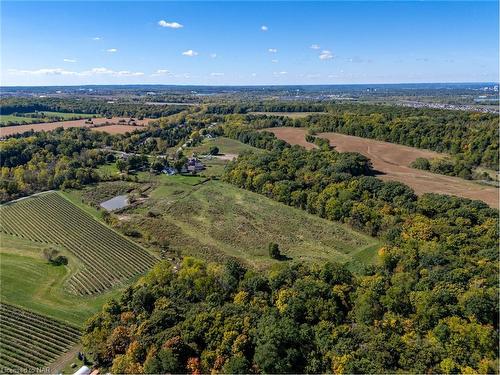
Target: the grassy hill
pixel 213 220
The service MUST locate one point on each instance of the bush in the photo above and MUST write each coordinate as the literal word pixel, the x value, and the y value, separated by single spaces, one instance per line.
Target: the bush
pixel 214 150
pixel 274 251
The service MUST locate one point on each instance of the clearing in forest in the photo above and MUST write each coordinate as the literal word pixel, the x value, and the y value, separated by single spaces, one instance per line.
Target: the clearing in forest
pixel 214 220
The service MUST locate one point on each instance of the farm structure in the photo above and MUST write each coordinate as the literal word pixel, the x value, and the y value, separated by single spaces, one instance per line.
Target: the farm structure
pixel 108 258
pixel 29 342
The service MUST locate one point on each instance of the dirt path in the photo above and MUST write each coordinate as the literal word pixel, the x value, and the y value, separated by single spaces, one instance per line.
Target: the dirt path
pixel 392 161
pixel 64 360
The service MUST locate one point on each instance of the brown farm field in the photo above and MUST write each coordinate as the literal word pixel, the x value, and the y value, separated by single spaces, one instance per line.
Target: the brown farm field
pixel 392 162
pixel 97 122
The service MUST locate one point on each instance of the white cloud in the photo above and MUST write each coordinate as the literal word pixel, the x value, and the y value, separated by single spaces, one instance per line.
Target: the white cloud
pixel 254 74
pixel 162 71
pixel 70 60
pixel 216 74
pixel 315 46
pixel 96 38
pixel 264 28
pixel 171 25
pixel 326 55
pixel 280 73
pixel 190 53
pixel 43 71
pixel 64 72
pixel 106 71
pixel 213 55
pixel 275 61
pixel 111 50
pixel 272 50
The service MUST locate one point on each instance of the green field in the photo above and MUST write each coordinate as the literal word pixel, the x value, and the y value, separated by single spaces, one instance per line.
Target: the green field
pixel 214 220
pixel 31 282
pixel 104 257
pixel 227 148
pixel 29 342
pixel 6 120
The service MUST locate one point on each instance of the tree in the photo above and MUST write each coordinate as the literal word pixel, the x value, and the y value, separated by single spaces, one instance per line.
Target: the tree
pixel 121 165
pixel 274 251
pixel 214 150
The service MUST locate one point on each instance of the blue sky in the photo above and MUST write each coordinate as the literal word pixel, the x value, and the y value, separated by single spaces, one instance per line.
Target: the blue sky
pixel 69 43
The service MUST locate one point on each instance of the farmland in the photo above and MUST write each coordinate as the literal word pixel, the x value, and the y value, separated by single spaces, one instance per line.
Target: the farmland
pixel 107 258
pixel 96 122
pixel 393 160
pixel 7 120
pixel 214 220
pixel 29 342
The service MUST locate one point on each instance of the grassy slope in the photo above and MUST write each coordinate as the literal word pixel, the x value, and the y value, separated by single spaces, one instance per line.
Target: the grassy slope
pixel 19 120
pixel 29 281
pixel 215 220
pixel 215 166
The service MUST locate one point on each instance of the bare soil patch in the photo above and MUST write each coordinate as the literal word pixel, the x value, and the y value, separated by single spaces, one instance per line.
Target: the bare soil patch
pixel 96 122
pixel 392 162
pixel 294 136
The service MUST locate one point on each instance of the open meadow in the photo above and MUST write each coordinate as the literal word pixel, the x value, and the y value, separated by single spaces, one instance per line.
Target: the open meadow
pixel 48 116
pixel 214 220
pixel 392 162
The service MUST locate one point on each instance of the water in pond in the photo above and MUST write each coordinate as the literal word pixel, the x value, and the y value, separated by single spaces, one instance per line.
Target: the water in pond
pixel 115 203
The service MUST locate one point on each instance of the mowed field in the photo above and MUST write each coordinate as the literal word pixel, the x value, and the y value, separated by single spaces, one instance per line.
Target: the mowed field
pixel 214 220
pixel 96 122
pixel 19 120
pixel 29 342
pixel 393 161
pixel 106 257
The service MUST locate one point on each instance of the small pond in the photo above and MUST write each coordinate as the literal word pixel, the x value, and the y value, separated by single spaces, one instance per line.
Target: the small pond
pixel 115 203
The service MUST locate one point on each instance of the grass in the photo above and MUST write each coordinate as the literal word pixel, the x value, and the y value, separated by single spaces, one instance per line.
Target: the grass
pixel 227 147
pixel 105 258
pixel 215 220
pixel 20 120
pixel 30 282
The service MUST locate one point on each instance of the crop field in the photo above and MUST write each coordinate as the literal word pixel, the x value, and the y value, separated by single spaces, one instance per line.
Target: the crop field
pixel 29 342
pixel 215 220
pixel 392 162
pixel 99 122
pixel 107 257
pixel 20 120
